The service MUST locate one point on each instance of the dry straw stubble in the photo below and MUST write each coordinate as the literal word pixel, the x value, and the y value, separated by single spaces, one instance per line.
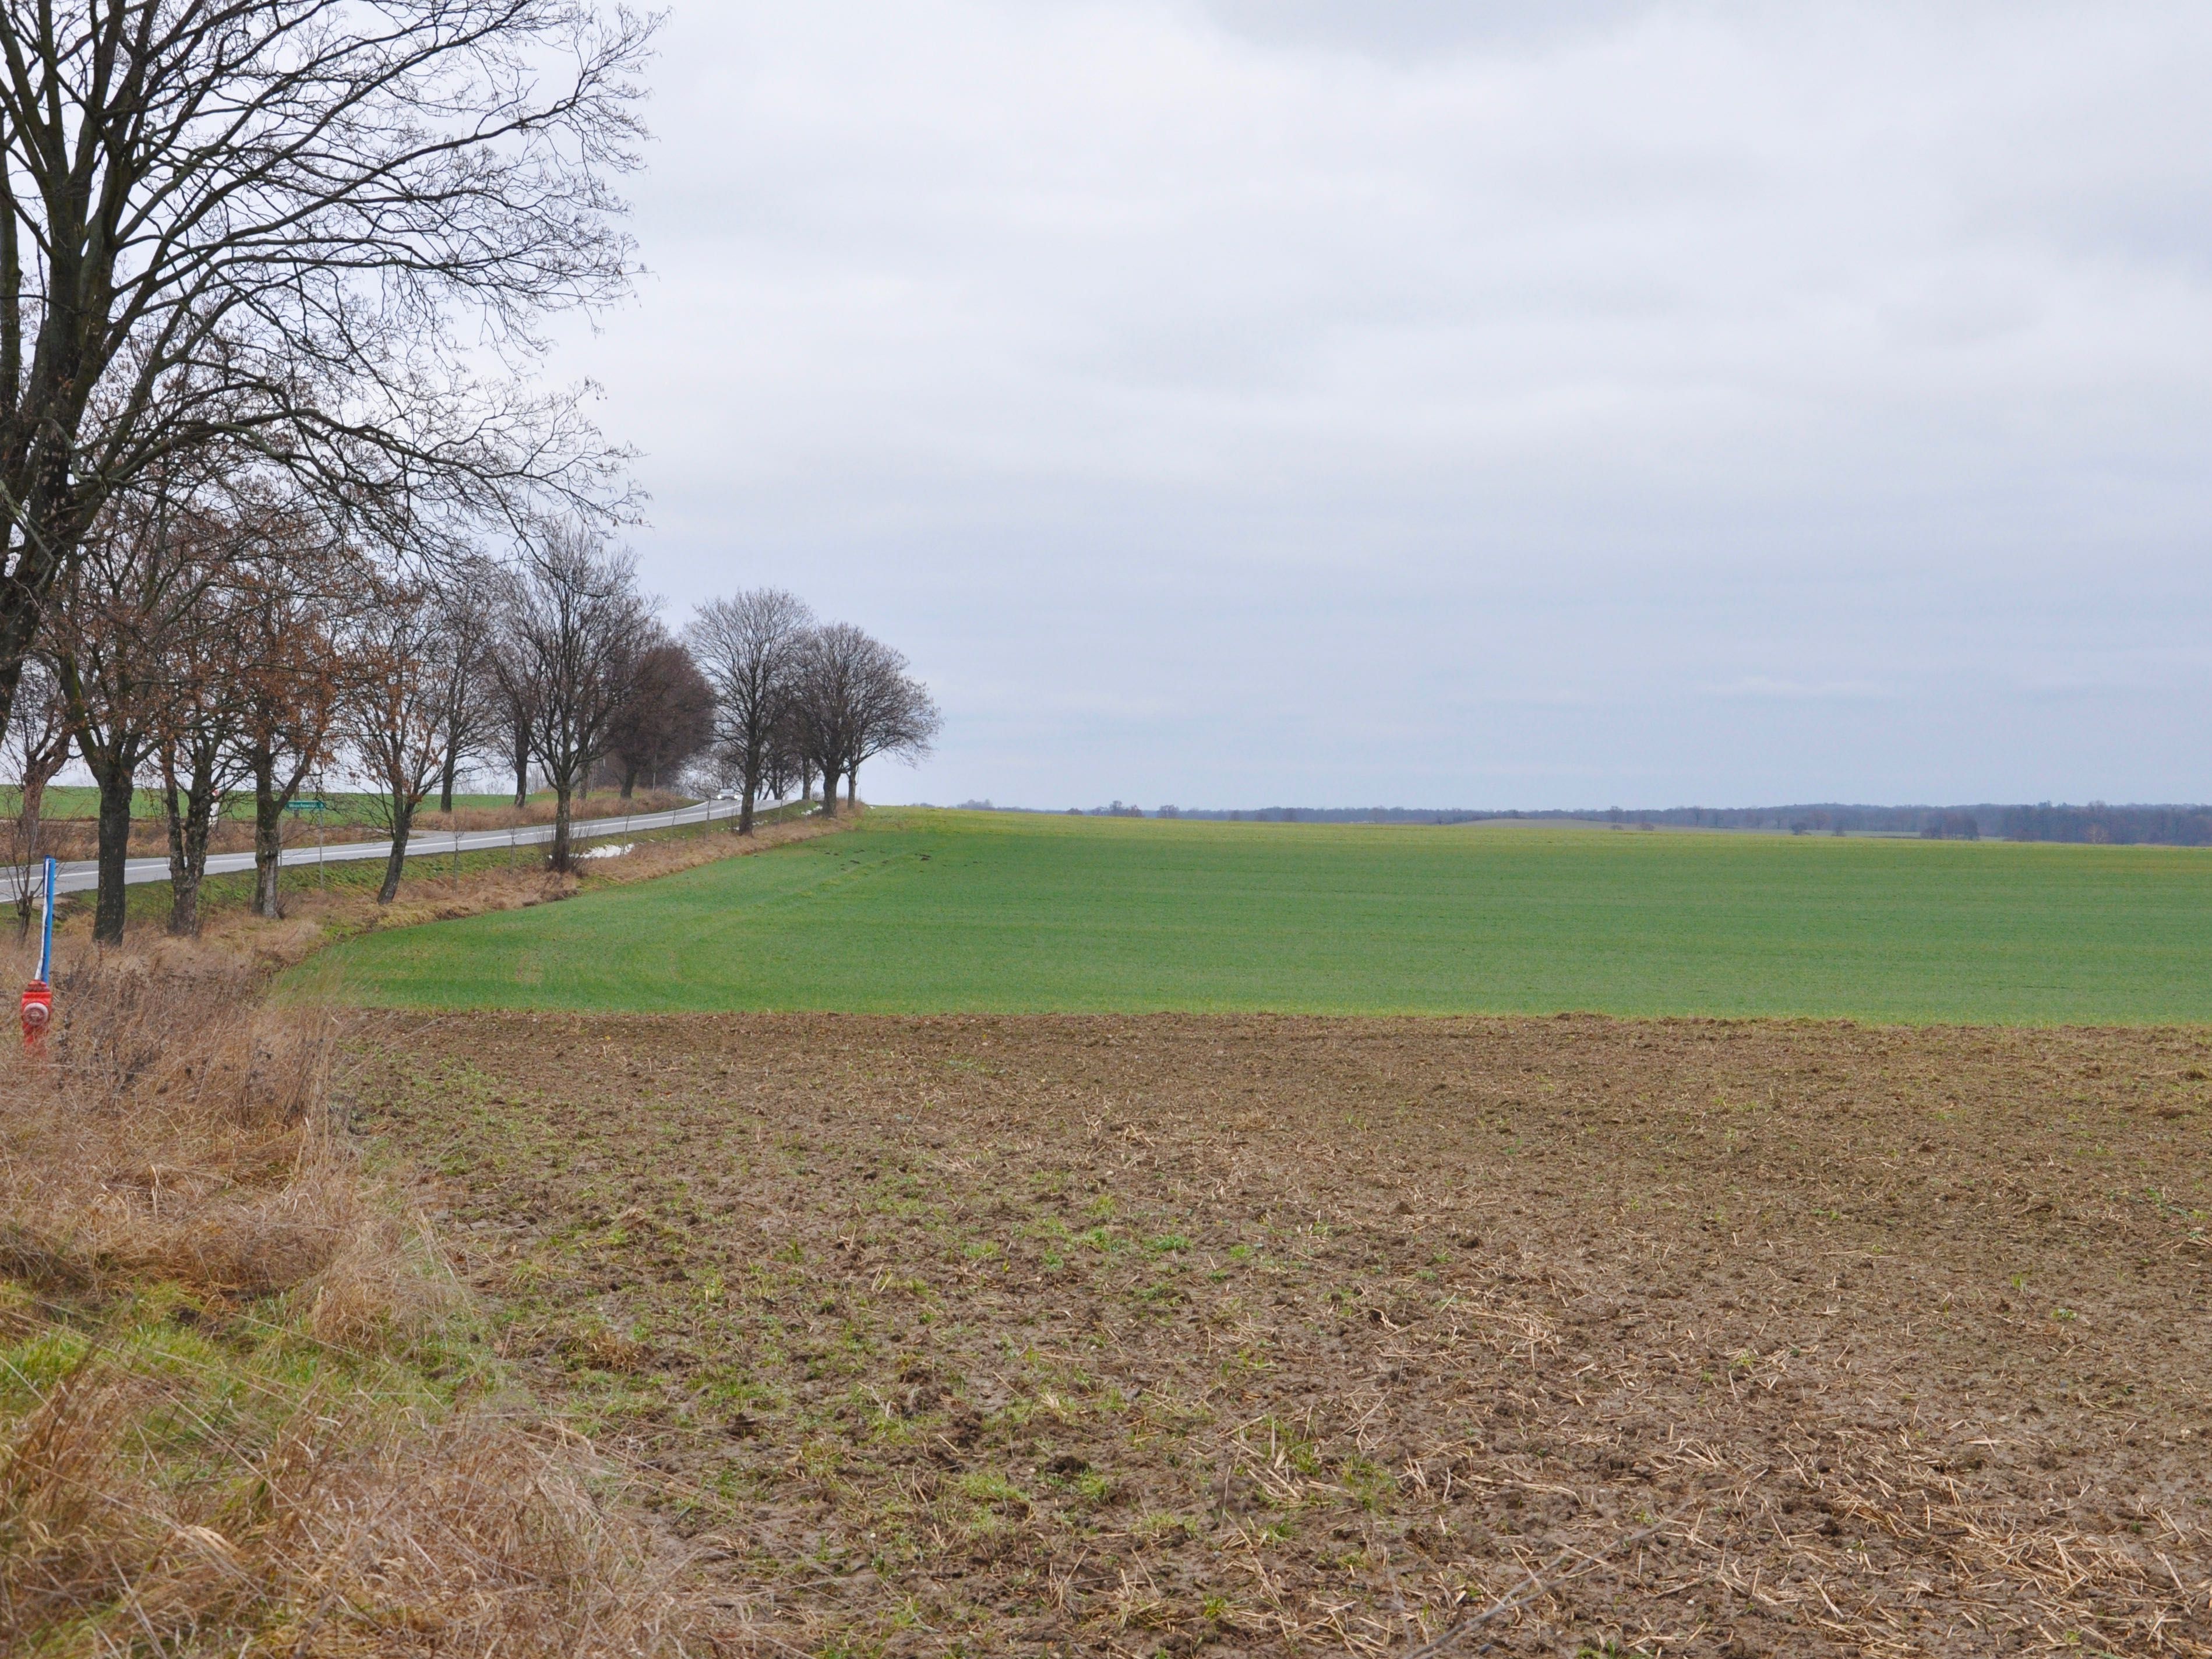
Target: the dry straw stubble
pixel 238 1414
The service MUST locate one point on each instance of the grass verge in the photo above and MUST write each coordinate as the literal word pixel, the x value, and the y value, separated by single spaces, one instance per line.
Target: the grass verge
pixel 244 1406
pixel 337 901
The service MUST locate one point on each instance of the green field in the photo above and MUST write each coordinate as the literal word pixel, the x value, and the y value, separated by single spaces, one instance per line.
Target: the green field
pixel 925 911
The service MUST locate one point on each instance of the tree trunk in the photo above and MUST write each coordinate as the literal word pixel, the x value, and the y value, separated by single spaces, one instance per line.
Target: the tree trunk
pixel 26 859
pixel 184 896
pixel 190 819
pixel 522 763
pixel 35 779
pixel 561 826
pixel 745 807
pixel 268 838
pixel 199 827
pixel 403 823
pixel 852 784
pixel 188 845
pixel 829 789
pixel 805 783
pixel 446 779
pixel 116 787
pixel 629 781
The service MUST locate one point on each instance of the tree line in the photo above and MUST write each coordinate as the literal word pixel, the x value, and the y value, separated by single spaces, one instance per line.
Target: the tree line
pixel 2095 823
pixel 208 659
pixel 276 288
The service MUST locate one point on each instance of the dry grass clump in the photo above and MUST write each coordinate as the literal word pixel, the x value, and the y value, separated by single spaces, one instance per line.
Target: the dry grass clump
pixel 238 1414
pixel 174 1133
pixel 336 1527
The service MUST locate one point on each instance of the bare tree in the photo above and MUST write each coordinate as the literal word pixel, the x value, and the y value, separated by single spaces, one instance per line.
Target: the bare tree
pixel 514 703
pixel 290 669
pixel 854 700
pixel 33 747
pixel 142 575
pixel 666 720
pixel 893 714
pixel 782 768
pixel 750 647
pixel 466 598
pixel 198 721
pixel 278 226
pixel 577 629
pixel 391 717
pixel 825 701
pixel 785 769
pixel 783 773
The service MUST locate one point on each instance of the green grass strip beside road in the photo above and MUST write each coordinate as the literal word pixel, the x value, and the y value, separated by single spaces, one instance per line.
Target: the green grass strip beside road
pixel 940 912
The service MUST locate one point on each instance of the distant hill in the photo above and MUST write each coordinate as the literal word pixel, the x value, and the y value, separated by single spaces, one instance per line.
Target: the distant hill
pixel 2095 824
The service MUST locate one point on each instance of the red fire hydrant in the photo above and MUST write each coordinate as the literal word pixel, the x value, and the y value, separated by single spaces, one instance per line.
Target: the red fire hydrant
pixel 38 1012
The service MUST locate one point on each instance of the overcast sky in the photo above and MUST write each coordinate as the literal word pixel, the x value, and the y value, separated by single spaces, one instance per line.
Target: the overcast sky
pixel 1435 403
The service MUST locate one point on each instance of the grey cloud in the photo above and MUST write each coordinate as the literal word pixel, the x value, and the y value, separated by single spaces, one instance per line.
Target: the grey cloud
pixel 1313 401
pixel 1415 29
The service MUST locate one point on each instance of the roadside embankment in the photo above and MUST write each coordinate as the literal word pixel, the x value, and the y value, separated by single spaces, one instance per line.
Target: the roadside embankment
pixel 324 906
pixel 244 1407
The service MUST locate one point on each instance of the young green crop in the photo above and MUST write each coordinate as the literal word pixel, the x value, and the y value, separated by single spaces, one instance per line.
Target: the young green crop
pixel 922 911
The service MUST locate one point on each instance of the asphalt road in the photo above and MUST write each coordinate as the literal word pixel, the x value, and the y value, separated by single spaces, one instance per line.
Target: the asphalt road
pixel 81 875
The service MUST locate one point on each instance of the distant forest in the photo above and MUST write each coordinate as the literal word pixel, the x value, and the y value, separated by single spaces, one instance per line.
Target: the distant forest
pixel 2094 824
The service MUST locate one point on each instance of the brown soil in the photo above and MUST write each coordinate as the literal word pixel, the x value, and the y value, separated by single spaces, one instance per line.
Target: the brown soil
pixel 1136 1336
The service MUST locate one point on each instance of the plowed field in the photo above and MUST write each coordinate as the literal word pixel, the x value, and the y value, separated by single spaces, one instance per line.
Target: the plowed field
pixel 1148 1335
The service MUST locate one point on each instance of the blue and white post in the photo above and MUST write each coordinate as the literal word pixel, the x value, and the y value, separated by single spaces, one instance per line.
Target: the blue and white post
pixel 38 1009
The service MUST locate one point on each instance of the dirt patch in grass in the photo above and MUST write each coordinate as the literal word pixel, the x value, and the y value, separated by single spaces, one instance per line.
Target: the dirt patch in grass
pixel 1145 1335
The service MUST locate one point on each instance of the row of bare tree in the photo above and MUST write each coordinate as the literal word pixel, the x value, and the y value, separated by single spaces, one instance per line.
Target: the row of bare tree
pixel 275 283
pixel 200 657
pixel 276 278
pixel 205 656
pixel 312 245
pixel 795 700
